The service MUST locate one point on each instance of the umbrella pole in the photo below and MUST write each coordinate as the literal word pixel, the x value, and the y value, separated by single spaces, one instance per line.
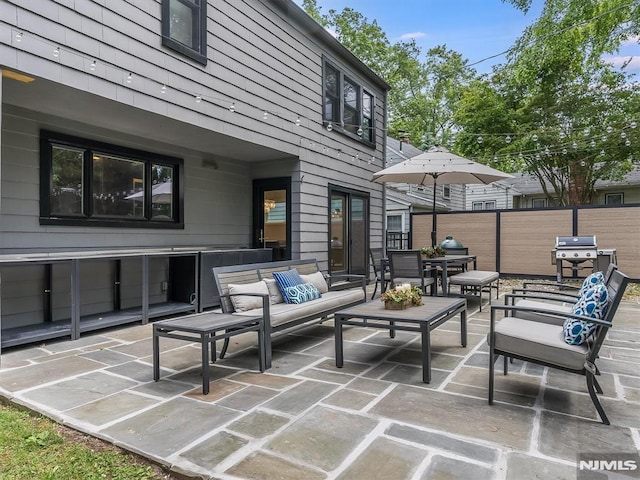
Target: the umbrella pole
pixel 433 215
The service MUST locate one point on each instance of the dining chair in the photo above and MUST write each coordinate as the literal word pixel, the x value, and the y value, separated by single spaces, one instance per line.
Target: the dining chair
pixel 376 255
pixel 406 267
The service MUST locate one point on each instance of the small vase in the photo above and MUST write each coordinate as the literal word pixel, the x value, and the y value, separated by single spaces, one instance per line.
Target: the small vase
pixel 390 305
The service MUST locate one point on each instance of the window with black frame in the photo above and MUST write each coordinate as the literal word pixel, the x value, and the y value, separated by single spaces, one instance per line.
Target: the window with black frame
pixel 348 107
pixel 184 28
pixel 92 183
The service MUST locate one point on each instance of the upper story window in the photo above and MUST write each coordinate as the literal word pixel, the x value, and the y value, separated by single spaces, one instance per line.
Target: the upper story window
pixel 184 28
pixel 348 106
pixel 96 184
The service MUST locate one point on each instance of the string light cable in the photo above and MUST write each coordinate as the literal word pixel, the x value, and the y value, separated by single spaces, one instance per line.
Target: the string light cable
pixel 131 79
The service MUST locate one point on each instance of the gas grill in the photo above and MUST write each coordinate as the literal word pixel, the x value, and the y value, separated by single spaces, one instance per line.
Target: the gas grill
pixel 575 251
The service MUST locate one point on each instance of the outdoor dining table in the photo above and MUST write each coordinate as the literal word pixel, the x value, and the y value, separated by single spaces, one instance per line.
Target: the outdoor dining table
pixel 442 262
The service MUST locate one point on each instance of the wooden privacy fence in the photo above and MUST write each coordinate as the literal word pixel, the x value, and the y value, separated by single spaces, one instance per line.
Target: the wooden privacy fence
pixel 519 242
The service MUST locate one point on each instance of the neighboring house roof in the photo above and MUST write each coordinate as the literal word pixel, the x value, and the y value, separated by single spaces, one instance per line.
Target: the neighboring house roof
pixel 399 152
pixel 527 184
pixel 407 199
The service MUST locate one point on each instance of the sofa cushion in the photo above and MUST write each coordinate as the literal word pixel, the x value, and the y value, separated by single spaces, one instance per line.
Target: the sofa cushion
pixel 286 279
pixel 284 313
pixel 243 303
pixel 274 292
pixel 318 280
pixel 591 281
pixel 592 304
pixel 305 292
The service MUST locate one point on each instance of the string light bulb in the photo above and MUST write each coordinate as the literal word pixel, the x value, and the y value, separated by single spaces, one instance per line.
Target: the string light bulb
pixel 198 98
pixel 633 124
pixel 534 137
pixel 507 139
pixel 163 90
pixel 92 67
pixel 329 127
pixel 265 115
pixel 56 52
pixel 19 37
pixel 480 140
pixel 129 78
pixel 359 132
pixel 298 122
pixel 232 107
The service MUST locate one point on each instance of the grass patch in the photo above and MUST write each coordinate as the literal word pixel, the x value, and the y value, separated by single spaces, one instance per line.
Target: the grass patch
pixel 34 447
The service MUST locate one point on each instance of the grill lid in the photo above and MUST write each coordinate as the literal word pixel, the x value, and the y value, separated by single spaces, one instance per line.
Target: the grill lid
pixel 583 242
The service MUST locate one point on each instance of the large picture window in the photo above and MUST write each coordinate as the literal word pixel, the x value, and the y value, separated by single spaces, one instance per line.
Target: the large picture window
pixel 91 183
pixel 348 106
pixel 184 27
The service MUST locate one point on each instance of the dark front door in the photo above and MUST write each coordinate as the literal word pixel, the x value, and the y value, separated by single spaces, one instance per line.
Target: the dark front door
pixel 348 227
pixel 272 216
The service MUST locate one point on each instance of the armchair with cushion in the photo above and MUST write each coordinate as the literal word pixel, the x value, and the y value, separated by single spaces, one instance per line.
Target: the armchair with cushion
pixel 534 339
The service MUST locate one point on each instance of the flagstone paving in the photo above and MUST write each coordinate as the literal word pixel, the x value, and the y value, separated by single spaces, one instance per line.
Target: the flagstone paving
pixel 306 419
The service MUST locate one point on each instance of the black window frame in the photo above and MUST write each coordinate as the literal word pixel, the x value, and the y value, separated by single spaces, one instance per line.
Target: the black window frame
pixel 336 117
pixel 49 139
pixel 543 200
pixel 609 196
pixel 200 30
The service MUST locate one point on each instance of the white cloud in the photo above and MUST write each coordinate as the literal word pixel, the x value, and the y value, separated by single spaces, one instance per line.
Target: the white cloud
pixel 408 36
pixel 631 41
pixel 633 61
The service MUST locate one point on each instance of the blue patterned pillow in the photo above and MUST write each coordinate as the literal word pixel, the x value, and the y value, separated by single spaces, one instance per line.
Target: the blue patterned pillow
pixel 592 304
pixel 304 292
pixel 288 278
pixel 592 280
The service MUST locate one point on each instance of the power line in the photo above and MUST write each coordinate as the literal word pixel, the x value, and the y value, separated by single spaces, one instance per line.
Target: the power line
pixel 579 24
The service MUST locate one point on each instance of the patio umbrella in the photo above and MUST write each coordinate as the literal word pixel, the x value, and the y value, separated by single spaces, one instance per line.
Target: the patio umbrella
pixel 160 193
pixel 438 165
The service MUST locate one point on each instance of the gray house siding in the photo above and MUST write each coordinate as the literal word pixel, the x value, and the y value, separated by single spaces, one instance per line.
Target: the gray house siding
pixel 260 57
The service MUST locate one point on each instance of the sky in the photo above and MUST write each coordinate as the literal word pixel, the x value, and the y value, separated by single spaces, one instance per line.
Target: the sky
pixel 475 28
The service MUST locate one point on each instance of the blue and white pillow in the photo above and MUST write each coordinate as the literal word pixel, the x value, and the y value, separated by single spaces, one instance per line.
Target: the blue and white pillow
pixel 305 292
pixel 592 304
pixel 591 281
pixel 288 278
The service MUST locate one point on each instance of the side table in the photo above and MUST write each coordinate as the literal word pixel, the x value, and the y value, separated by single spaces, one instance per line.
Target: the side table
pixel 203 328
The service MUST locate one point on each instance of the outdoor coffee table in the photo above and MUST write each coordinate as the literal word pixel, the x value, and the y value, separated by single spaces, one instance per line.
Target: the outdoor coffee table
pixel 423 319
pixel 203 328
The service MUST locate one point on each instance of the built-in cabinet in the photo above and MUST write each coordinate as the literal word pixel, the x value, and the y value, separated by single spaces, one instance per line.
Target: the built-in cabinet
pixel 65 294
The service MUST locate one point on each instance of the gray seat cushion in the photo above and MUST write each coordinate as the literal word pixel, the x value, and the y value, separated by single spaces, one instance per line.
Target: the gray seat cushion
pixel 282 313
pixel 539 341
pixel 474 278
pixel 561 308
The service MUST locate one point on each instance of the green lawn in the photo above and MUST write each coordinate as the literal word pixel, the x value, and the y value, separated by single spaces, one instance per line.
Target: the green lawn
pixel 34 447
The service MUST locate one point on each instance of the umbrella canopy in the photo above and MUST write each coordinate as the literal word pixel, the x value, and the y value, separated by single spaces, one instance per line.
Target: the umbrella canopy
pixel 438 165
pixel 160 193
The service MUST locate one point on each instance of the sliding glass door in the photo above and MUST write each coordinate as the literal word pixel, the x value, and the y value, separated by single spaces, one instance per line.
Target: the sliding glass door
pixel 348 230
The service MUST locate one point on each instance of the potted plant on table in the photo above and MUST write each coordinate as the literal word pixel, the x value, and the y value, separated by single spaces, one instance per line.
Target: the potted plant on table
pixel 401 297
pixel 432 252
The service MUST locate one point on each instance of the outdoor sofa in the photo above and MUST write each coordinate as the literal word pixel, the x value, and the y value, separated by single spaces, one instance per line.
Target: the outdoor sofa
pixel 251 290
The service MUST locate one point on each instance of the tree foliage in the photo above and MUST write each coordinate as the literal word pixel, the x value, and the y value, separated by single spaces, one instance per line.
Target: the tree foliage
pixel 570 116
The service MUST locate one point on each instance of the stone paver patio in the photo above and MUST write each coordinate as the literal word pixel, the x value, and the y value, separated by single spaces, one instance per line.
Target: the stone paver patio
pixel 306 419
